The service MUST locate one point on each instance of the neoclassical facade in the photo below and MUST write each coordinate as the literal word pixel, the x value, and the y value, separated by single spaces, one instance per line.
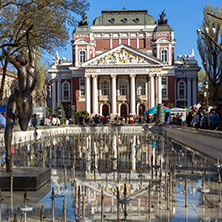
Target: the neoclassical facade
pixel 123 64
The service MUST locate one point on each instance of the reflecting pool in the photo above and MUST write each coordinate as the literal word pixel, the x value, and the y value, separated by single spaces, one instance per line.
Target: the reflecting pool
pixel 110 177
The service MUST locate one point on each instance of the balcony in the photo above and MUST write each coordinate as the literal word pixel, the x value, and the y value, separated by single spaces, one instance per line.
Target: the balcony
pixel 142 98
pixel 104 98
pixel 123 98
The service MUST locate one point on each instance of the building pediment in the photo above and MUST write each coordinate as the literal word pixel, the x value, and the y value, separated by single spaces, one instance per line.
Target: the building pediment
pixel 123 55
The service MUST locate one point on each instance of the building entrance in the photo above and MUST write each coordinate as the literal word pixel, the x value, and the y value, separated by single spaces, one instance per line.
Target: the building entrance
pixel 123 111
pixel 141 109
pixel 105 110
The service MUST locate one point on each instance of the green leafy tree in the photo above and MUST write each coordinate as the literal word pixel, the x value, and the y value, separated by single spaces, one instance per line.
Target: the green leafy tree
pixel 202 79
pixel 60 112
pixel 49 19
pixel 170 105
pixel 209 51
pixel 84 112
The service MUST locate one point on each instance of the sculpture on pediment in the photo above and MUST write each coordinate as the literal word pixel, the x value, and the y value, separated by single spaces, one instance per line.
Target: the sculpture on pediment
pixel 162 20
pixel 122 57
pixel 84 21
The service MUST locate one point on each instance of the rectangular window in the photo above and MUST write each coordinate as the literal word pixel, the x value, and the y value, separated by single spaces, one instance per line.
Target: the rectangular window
pixel 82 92
pixel 82 82
pixel 164 81
pixel 164 92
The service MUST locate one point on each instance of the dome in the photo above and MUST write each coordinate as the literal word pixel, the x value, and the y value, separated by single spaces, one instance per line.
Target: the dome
pixel 163 28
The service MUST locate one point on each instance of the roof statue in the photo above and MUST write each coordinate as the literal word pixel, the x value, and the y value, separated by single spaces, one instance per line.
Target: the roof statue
pixel 83 22
pixel 56 58
pixel 162 21
pixel 191 56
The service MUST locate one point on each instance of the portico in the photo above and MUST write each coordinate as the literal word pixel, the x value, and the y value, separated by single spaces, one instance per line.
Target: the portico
pixel 122 79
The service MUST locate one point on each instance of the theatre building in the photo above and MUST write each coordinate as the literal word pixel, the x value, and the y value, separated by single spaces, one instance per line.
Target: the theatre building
pixel 123 64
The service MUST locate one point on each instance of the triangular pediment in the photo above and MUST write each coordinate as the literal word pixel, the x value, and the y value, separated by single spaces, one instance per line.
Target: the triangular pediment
pixel 123 55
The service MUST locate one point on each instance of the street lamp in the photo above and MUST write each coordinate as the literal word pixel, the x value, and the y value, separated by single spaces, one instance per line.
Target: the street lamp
pixel 184 59
pixel 206 92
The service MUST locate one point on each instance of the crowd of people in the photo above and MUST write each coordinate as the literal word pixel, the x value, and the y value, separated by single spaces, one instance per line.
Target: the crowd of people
pixel 203 117
pixel 100 119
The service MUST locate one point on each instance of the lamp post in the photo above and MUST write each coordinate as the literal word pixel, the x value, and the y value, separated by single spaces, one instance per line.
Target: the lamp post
pixel 184 59
pixel 206 92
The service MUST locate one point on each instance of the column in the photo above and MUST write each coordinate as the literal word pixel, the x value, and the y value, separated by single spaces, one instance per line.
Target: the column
pixel 194 91
pixel 188 92
pixel 88 94
pixel 151 96
pixel 76 55
pixel 71 94
pixel 111 43
pixel 158 51
pixel 159 89
pixel 137 40
pixel 58 91
pixel 113 94
pixel 87 52
pixel 170 55
pixel 132 95
pixel 53 95
pixel 95 95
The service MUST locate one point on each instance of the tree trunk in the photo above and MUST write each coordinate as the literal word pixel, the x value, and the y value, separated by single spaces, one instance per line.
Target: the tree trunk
pixel 3 80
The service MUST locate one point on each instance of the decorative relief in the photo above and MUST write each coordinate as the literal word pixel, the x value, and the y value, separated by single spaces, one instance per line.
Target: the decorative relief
pixel 155 70
pixel 122 57
pixel 91 71
pixel 115 35
pixel 106 35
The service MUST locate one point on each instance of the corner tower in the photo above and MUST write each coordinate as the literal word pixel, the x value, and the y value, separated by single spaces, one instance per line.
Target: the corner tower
pixel 163 41
pixel 83 44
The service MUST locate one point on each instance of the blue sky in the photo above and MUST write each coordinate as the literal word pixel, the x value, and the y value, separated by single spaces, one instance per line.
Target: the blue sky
pixel 185 17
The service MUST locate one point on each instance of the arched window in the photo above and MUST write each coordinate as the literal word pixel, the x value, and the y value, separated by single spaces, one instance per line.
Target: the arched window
pixel 123 88
pixel 65 90
pixel 164 55
pixel 82 56
pixel 181 90
pixel 105 88
pixel 141 88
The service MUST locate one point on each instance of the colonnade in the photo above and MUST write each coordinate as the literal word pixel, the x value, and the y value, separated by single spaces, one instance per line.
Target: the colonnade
pixel 153 98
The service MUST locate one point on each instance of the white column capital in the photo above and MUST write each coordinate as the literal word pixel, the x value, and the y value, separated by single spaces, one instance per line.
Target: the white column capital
pixel 87 76
pixel 152 75
pixel 160 75
pixel 132 75
pixel 113 76
pixel 95 76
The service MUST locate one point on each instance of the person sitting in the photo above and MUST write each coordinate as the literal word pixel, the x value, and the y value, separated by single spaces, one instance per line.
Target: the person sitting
pixel 81 120
pixel 216 119
pixel 87 120
pixel 67 121
pixel 36 121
